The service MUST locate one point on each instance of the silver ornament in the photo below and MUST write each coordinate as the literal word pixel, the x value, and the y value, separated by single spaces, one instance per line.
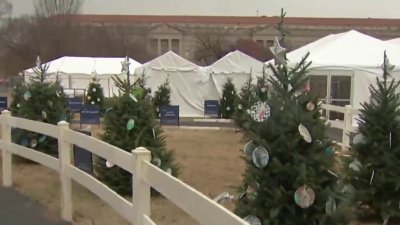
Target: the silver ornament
pixel 260 157
pixel 252 220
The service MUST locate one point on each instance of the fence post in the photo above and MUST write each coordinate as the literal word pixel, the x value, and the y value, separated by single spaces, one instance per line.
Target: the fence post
pixel 64 154
pixel 348 120
pixel 5 153
pixel 140 190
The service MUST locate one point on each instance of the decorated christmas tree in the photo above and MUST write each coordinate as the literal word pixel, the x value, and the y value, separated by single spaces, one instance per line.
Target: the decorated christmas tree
pixel 95 94
pixel 227 102
pixel 289 178
pixel 371 174
pixel 129 124
pixel 162 97
pixel 42 101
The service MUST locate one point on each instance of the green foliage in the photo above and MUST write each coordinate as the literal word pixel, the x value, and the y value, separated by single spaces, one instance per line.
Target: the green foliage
pixel 293 161
pixel 374 185
pixel 95 94
pixel 227 102
pixel 162 97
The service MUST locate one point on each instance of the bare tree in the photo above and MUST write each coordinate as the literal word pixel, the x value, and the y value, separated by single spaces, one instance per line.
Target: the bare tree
pixel 210 48
pixel 49 8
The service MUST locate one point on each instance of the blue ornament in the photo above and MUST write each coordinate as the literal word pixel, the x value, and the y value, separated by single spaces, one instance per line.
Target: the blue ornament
pixel 330 150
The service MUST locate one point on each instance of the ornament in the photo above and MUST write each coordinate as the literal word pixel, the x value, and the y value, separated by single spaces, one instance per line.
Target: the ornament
pixel 372 177
pixel 130 124
pixel 27 95
pixel 330 206
pixel 332 173
pixel 88 97
pixel 44 115
pixel 355 165
pixel 18 105
pixel 224 98
pixel 98 99
pixel 251 192
pixel 94 89
pixel 57 94
pixel 24 142
pixel 304 196
pixel 109 164
pixel 305 133
pixel 330 150
pixel 263 89
pixel 252 220
pixel 92 102
pixel 260 157
pixel 33 143
pixel 157 161
pixel 50 103
pixel 359 139
pixel 240 106
pixel 228 108
pixel 249 148
pixel 138 92
pixel 109 109
pixel 133 97
pixel 390 140
pixel 310 106
pixel 279 52
pixel 154 133
pixel 42 139
pixel 224 196
pixel 260 111
pixel 169 171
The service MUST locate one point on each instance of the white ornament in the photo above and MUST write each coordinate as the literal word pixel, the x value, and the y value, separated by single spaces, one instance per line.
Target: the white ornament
pixel 359 139
pixel 252 220
pixel 18 105
pixel 228 108
pixel 44 114
pixel 260 157
pixel 305 133
pixel 260 111
pixel 94 89
pixel 88 97
pixel 240 106
pixel 98 99
pixel 92 102
pixel 109 164
pixel 355 165
pixel 263 90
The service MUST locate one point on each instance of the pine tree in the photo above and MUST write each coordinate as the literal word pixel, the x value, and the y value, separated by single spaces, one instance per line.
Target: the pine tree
pixel 42 101
pixel 289 178
pixel 129 124
pixel 95 94
pixel 162 97
pixel 371 174
pixel 227 102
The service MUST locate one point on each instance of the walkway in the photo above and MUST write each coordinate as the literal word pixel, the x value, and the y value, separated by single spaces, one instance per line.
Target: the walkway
pixel 16 209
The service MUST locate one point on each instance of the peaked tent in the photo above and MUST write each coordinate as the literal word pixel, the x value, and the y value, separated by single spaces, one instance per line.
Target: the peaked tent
pixel 236 65
pixel 76 72
pixel 190 86
pixel 394 41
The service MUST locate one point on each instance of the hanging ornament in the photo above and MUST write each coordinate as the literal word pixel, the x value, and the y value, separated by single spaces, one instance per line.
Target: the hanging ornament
pixel 263 89
pixel 390 140
pixel 154 132
pixel 94 89
pixel 109 164
pixel 330 206
pixel 57 94
pixel 355 165
pixel 130 124
pixel 27 95
pixel 108 110
pixel 18 105
pixel 228 108
pixel 44 115
pixel 260 157
pixel 138 92
pixel 260 111
pixel 224 196
pixel 250 192
pixel 310 106
pixel 252 220
pixel 332 173
pixel 98 99
pixel 42 138
pixel 50 103
pixel 304 196
pixel 305 133
pixel 88 97
pixel 249 148
pixel 169 171
pixel 359 139
pixel 240 106
pixel 330 150
pixel 33 143
pixel 24 142
pixel 133 97
pixel 92 102
pixel 372 177
pixel 156 161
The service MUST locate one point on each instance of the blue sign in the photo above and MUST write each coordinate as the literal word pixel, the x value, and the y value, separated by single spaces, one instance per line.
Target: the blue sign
pixel 211 107
pixel 169 115
pixel 82 158
pixel 75 104
pixel 3 103
pixel 90 114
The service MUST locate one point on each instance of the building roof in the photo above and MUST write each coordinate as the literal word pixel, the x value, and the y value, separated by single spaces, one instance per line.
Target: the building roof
pixel 262 20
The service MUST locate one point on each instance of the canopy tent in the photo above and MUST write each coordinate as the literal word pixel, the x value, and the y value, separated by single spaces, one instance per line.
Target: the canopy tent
pixel 190 86
pixel 77 72
pixel 236 65
pixel 394 41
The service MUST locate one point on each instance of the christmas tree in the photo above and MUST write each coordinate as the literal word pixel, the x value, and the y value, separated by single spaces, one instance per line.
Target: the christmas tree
pixel 371 174
pixel 95 94
pixel 41 101
pixel 289 178
pixel 227 102
pixel 162 97
pixel 129 124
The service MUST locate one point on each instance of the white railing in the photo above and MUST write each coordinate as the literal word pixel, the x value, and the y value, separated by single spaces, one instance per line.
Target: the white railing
pixel 346 125
pixel 145 175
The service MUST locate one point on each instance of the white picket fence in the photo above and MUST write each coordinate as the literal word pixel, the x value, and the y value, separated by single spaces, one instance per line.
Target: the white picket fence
pixel 144 175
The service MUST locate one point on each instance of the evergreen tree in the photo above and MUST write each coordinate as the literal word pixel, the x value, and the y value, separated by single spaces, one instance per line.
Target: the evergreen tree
pixel 42 101
pixel 129 124
pixel 371 174
pixel 289 177
pixel 95 94
pixel 227 102
pixel 162 97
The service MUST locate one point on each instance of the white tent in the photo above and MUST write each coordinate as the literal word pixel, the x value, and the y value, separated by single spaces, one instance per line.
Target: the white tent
pixel 76 72
pixel 236 65
pixel 394 41
pixel 190 86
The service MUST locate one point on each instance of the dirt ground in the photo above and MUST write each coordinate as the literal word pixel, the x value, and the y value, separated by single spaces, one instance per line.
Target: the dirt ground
pixel 209 159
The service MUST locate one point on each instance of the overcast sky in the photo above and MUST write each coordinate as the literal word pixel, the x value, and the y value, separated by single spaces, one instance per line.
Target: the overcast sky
pixel 302 8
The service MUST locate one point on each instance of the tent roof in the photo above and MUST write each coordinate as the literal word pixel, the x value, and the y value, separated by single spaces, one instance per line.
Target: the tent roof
pixel 87 65
pixel 394 41
pixel 169 61
pixel 236 62
pixel 349 49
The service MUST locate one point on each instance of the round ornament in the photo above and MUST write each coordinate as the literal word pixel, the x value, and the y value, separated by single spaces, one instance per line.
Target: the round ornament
pixel 50 103
pixel 252 220
pixel 260 157
pixel 42 139
pixel 18 105
pixel 240 106
pixel 138 92
pixel 157 161
pixel 305 133
pixel 249 148
pixel 92 102
pixel 330 206
pixel 94 89
pixel 58 94
pixel 44 115
pixel 260 111
pixel 310 106
pixel 109 164
pixel 33 143
pixel 304 196
pixel 98 99
pixel 130 124
pixel 251 191
pixel 263 89
pixel 330 150
pixel 24 142
pixel 88 97
pixel 355 165
pixel 27 95
pixel 228 108
pixel 169 171
pixel 359 139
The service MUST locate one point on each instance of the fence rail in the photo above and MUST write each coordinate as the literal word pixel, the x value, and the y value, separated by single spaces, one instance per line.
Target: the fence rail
pixel 144 175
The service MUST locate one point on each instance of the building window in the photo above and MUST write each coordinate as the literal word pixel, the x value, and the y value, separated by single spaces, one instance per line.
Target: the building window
pixel 164 46
pixel 175 45
pixel 260 42
pixel 161 46
pixel 153 45
pixel 270 43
